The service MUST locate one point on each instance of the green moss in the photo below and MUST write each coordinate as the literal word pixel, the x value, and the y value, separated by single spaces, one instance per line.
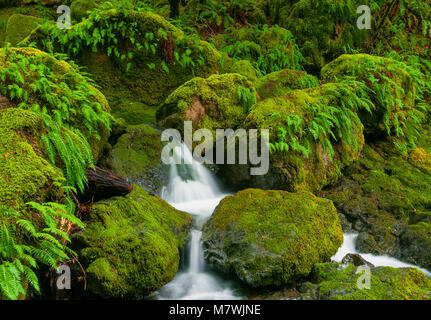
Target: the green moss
pixel 136 155
pixel 141 84
pixel 280 83
pixel 19 27
pixel 210 103
pixel 79 8
pixel 338 282
pixel 65 76
pixel 381 194
pixel 324 29
pixel 421 159
pixel 132 245
pixel 318 169
pixel 25 174
pixel 244 68
pixel 271 237
pixel 392 88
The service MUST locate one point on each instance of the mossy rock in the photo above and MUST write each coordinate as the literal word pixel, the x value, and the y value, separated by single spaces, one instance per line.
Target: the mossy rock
pixel 79 8
pixel 394 90
pixel 135 112
pixel 140 84
pixel 339 282
pixel 244 68
pixel 386 197
pixel 271 237
pixel 19 26
pixel 291 170
pixel 25 175
pixel 280 83
pixel 211 103
pixel 136 156
pixel 65 74
pixel 415 244
pixel 132 245
pixel 421 159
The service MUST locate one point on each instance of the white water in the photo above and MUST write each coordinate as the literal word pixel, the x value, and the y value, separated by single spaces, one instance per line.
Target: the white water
pixel 192 189
pixel 378 261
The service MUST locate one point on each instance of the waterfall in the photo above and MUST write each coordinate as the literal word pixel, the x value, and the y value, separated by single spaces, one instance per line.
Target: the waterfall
pixel 192 189
pixel 349 246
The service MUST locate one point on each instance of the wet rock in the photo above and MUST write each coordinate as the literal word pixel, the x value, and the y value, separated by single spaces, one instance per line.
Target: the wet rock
pixel 356 260
pixel 271 237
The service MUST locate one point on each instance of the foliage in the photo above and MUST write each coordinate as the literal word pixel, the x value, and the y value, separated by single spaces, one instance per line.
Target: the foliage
pixel 23 243
pixel 268 48
pixel 210 17
pixel 118 34
pixel 394 86
pixel 66 105
pixel 326 123
pixel 247 96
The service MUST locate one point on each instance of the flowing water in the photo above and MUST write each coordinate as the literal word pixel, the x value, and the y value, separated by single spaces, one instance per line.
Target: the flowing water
pixel 193 189
pixel 378 261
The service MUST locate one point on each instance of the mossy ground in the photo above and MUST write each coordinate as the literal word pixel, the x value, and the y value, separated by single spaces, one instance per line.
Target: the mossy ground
pixel 338 282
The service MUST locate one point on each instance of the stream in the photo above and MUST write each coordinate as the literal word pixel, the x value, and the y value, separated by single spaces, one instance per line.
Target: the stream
pixel 193 189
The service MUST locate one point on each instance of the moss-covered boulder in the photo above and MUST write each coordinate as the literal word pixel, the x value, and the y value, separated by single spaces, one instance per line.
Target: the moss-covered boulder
pixel 210 103
pixel 244 68
pixel 79 8
pixel 132 245
pixel 271 237
pixel 59 88
pixel 279 83
pixel 25 174
pixel 392 90
pixel 140 60
pixel 340 282
pixel 19 26
pixel 299 159
pixel 136 156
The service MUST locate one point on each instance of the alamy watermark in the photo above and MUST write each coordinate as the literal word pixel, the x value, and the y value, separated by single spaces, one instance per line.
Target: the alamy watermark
pixel 364 280
pixel 64 21
pixel 225 147
pixel 64 278
pixel 364 21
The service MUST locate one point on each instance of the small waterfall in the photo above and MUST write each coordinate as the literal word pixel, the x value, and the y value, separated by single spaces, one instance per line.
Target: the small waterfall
pixel 192 189
pixel 349 246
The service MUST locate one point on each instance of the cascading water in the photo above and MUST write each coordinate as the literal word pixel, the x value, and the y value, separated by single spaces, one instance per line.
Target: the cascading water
pixel 192 189
pixel 378 261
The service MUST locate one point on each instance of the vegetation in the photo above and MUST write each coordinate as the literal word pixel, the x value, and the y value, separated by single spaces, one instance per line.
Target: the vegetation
pixel 348 111
pixel 46 243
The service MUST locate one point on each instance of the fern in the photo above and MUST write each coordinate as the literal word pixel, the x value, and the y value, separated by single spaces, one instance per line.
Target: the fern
pixel 18 260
